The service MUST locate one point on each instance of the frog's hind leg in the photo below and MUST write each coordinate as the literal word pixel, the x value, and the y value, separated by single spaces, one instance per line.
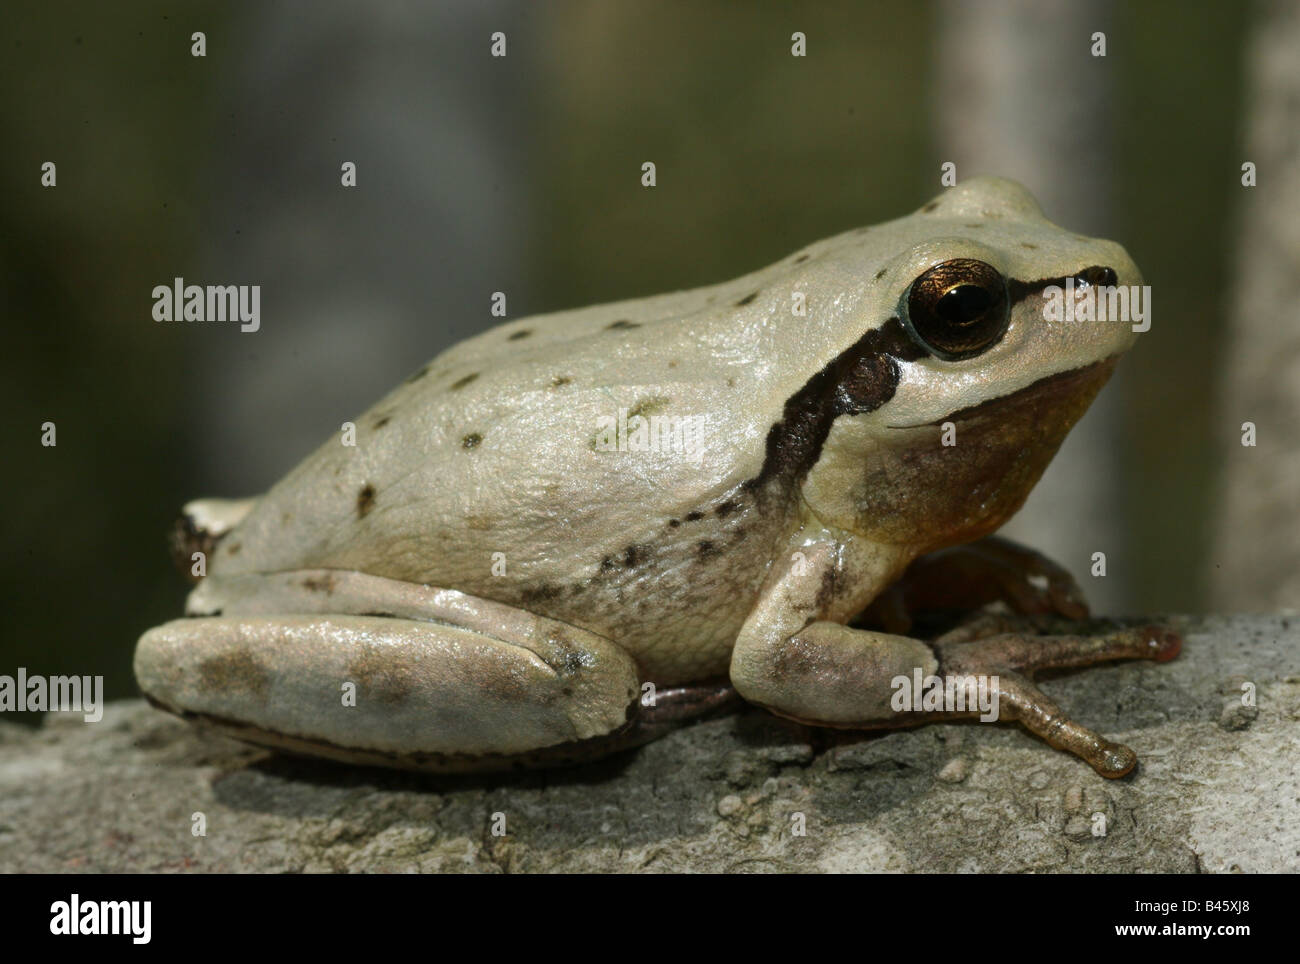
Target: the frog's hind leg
pixel 393 691
pixel 964 578
pixel 1009 658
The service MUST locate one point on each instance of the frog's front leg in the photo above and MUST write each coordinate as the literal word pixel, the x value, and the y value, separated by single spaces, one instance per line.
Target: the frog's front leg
pixel 795 657
pixel 389 689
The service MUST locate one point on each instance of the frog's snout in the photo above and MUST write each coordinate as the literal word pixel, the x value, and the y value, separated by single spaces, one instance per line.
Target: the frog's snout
pixel 1098 275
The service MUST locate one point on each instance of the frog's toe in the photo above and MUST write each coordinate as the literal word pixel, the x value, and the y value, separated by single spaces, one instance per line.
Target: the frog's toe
pixel 1116 760
pixel 1032 583
pixel 1004 658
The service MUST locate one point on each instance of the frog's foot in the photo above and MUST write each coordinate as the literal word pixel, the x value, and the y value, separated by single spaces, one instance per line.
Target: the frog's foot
pixel 1007 660
pixel 967 577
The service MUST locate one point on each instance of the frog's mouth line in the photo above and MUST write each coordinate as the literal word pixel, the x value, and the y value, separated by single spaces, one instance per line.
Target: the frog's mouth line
pixel 1045 393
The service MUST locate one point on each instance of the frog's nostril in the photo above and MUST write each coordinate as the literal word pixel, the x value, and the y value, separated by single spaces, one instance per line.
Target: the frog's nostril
pixel 1097 275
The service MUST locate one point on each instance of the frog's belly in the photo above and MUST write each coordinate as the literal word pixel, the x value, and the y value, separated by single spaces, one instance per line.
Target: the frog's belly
pixel 676 632
pixel 675 607
pixel 673 592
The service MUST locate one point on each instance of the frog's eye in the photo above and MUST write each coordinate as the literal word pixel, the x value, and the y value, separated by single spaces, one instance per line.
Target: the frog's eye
pixel 958 308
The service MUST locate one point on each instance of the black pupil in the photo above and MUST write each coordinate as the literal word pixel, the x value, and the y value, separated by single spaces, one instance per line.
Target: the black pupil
pixel 963 304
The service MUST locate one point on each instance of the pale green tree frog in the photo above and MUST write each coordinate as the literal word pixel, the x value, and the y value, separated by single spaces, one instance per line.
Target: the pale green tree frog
pixel 524 559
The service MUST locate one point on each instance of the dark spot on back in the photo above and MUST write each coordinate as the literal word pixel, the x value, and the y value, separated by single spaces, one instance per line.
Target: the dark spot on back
pixel 471 440
pixel 382 422
pixel 521 333
pixel 802 258
pixel 233 548
pixel 973 225
pixel 705 549
pixel 674 523
pixel 648 406
pixel 633 556
pixel 726 508
pixel 1026 244
pixel 560 380
pixel 748 299
pixel 365 500
pixel 881 273
pixel 621 325
pixel 418 375
pixel 929 207
pixel 694 516
pixel 464 381
pixel 860 379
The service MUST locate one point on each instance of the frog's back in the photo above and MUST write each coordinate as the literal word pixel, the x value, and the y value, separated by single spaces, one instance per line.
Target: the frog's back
pixel 521 442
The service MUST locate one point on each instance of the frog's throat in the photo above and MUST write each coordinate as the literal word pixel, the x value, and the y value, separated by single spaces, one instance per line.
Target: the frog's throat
pixel 1061 391
pixel 930 496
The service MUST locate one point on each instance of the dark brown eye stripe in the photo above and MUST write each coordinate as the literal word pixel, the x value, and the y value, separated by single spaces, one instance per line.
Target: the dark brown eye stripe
pixel 859 380
pixel 1018 291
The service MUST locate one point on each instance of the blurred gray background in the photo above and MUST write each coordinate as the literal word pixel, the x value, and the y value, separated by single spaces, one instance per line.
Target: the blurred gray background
pixel 521 174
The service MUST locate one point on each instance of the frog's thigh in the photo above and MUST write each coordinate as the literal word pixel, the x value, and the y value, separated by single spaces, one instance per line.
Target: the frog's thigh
pixel 419 687
pixel 829 674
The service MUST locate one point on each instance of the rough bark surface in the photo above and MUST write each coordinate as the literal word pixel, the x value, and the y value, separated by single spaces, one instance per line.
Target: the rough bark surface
pixel 1215 791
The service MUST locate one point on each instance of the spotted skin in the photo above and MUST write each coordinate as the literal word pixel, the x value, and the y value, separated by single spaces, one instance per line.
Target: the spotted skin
pixel 504 486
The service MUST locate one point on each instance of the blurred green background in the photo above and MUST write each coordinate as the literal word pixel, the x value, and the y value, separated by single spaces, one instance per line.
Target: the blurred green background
pixel 174 165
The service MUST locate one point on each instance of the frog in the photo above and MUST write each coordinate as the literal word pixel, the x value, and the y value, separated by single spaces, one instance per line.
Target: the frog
pixel 499 572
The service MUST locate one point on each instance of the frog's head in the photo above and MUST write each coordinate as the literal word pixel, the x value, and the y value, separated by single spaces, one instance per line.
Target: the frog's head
pixel 978 367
